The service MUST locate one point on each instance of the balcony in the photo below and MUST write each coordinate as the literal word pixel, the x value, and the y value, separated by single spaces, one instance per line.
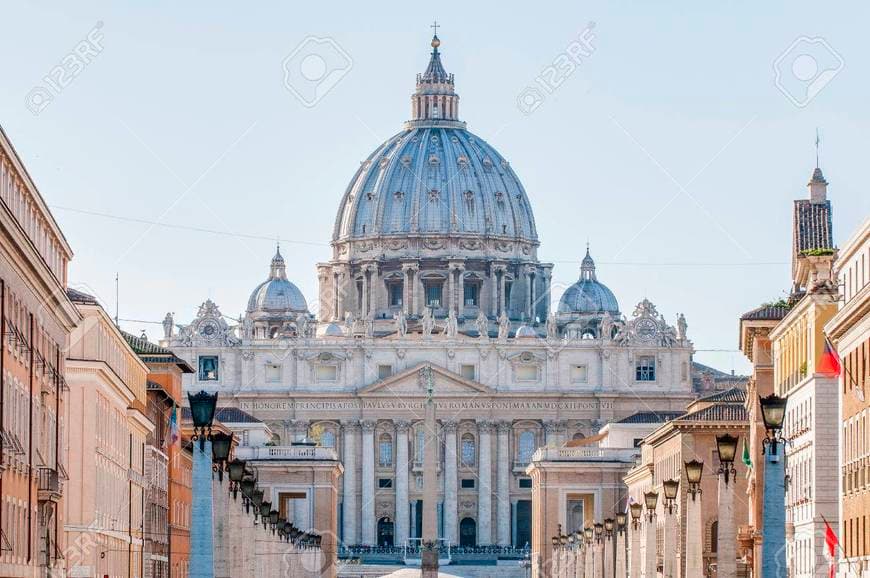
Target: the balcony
pixel 49 486
pixel 586 454
pixel 286 453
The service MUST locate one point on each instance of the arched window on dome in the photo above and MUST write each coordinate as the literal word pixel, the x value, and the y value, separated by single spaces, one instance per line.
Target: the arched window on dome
pixel 467 450
pixel 421 445
pixel 526 447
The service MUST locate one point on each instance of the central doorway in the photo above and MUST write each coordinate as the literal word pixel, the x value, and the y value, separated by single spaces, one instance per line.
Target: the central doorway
pixel 467 532
pixel 385 532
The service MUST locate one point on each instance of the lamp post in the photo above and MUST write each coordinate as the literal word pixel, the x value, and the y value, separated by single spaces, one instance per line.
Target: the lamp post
pixel 579 554
pixel 221 444
pixel 202 410
pixel 636 509
pixel 554 564
pixel 773 523
pixel 598 563
pixel 726 557
pixel 588 536
pixel 563 558
pixel 651 500
pixel 671 534
pixel 621 522
pixel 608 548
pixel 694 527
pixel 236 472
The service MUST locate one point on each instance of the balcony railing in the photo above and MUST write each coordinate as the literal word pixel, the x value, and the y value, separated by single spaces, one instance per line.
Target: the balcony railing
pixel 286 453
pixel 49 485
pixel 586 454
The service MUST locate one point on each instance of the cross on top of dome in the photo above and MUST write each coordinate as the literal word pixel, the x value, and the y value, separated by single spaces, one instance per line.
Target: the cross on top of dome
pixel 435 98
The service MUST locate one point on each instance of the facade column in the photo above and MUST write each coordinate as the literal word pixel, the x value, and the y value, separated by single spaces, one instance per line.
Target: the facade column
pixel 367 508
pixel 649 553
pixel 484 476
pixel 502 301
pixel 349 496
pixel 364 306
pixel 451 485
pixel 503 507
pixel 528 275
pixel 461 309
pixel 402 514
pixel 634 563
pixel 407 290
pixel 451 285
pixel 493 301
pixel 726 558
pixel 694 537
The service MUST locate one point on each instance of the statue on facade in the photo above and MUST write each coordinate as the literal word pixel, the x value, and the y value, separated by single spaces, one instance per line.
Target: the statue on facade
pixel 168 326
pixel 504 326
pixel 428 322
pixel 452 326
pixel 681 327
pixel 482 324
pixel 606 328
pixel 623 333
pixel 552 326
pixel 348 321
pixel 301 325
pixel 401 323
pixel 370 324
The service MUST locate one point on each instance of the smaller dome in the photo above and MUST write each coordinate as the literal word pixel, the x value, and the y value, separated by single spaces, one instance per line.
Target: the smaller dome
pixel 276 294
pixel 333 330
pixel 588 295
pixel 526 332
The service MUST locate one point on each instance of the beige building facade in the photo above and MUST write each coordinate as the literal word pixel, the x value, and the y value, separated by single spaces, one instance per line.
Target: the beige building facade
pixel 106 450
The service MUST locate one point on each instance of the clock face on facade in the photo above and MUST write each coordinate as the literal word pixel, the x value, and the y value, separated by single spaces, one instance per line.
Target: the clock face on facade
pixel 208 330
pixel 646 329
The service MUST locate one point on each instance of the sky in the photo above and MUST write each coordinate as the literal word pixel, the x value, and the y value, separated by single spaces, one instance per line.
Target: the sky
pixel 174 142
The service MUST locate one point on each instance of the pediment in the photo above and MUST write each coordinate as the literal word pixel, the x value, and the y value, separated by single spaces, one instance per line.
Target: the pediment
pixel 409 383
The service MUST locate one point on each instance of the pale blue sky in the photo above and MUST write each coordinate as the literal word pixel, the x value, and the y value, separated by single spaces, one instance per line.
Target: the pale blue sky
pixel 670 148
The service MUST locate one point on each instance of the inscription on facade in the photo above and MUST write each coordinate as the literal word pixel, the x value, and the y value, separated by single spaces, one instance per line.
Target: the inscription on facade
pixel 401 404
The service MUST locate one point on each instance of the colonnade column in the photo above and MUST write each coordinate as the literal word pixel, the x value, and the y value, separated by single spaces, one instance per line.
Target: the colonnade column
pixel 368 483
pixel 650 562
pixel 451 482
pixel 634 569
pixel 670 545
pixel 621 535
pixel 726 557
pixel 451 295
pixel 493 301
pixel 503 507
pixel 402 513
pixel 484 476
pixel 502 301
pixel 349 501
pixel 461 293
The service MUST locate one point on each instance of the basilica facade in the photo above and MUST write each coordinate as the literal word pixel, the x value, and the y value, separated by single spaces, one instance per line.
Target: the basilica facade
pixel 435 265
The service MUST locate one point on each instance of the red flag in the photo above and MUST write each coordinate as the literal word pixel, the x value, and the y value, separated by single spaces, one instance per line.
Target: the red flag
pixel 829 363
pixel 831 543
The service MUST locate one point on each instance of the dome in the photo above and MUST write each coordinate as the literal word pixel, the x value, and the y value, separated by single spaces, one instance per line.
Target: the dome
pixel 435 178
pixel 588 295
pixel 525 332
pixel 333 330
pixel 276 294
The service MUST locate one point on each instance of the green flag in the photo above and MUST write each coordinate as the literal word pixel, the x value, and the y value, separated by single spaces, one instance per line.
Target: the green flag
pixel 746 459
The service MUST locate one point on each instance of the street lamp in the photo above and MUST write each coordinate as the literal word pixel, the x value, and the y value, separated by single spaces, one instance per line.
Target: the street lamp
pixel 236 472
pixel 621 519
pixel 587 533
pixel 273 519
pixel 599 530
pixel 636 509
pixel 694 469
pixel 202 408
pixel 265 508
pixel 773 414
pixel 608 527
pixel 651 499
pixel 671 487
pixel 257 502
pixel 221 444
pixel 727 446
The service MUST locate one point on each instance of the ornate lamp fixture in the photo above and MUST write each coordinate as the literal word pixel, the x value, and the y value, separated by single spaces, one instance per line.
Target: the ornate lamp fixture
pixel 273 519
pixel 671 488
pixel 636 510
pixel 236 471
pixel 588 533
pixel 773 414
pixel 694 470
pixel 599 530
pixel 621 521
pixel 651 499
pixel 221 444
pixel 265 508
pixel 727 446
pixel 257 502
pixel 202 407
pixel 608 527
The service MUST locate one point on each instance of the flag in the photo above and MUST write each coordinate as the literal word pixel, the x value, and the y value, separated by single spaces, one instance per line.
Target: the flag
pixel 174 435
pixel 831 544
pixel 829 364
pixel 747 461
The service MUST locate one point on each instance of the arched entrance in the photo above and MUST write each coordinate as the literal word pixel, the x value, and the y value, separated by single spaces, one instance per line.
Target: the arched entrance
pixel 385 532
pixel 467 532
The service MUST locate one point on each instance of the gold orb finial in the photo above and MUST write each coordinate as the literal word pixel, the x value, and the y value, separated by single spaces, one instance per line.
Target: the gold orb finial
pixel 435 42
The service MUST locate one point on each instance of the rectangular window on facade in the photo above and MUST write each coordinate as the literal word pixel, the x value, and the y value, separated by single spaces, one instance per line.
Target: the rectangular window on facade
pixel 433 295
pixel 384 371
pixel 467 484
pixel 645 368
pixel 326 372
pixel 471 295
pixel 208 367
pixel 579 374
pixel 524 483
pixel 527 373
pixel 395 294
pixel 384 483
pixel 273 373
pixel 468 371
